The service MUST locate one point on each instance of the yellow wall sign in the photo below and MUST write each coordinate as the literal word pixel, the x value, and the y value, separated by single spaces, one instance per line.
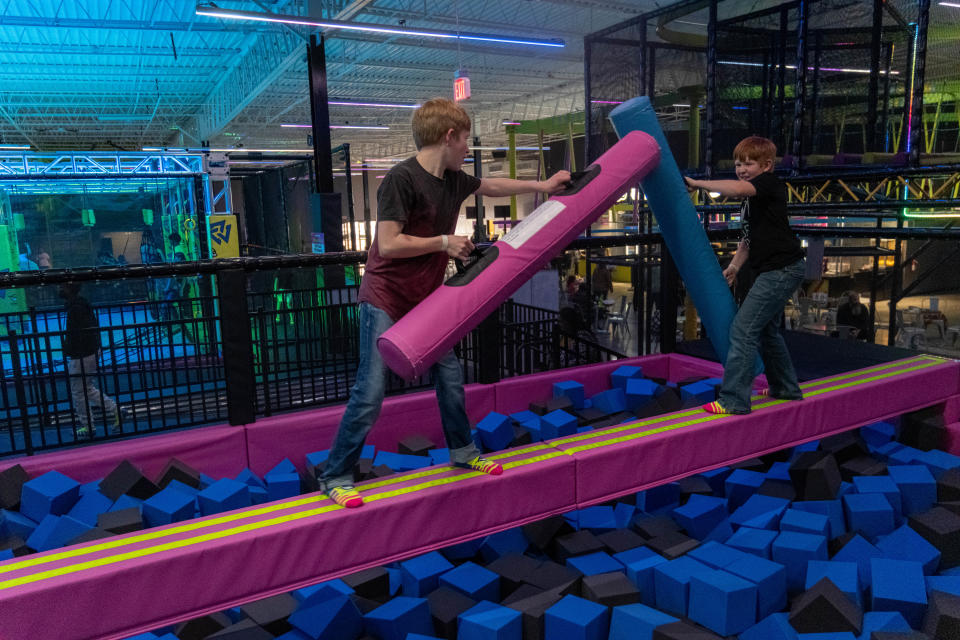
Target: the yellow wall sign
pixel 224 236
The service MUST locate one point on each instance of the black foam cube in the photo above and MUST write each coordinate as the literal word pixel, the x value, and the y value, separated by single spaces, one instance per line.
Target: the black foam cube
pixel 823 608
pixel 371 583
pixel 898 635
pixel 97 533
pixel 953 506
pixel 941 528
pixel 380 471
pixel 620 540
pixel 835 544
pixel 672 545
pixel 122 521
pixel 362 470
pixel 11 484
pixel 533 606
pixel 924 429
pixel 751 464
pixel 271 613
pixel 521 437
pixel 668 399
pixel 514 569
pixel 542 532
pixel 200 628
pixel 244 630
pixel 690 380
pixel 552 576
pixel 683 630
pixel 179 470
pixel 943 615
pixel 694 484
pixel 815 476
pixel 16 544
pixel 577 543
pixel 948 486
pixel 589 415
pixel 653 526
pixel 553 404
pixel 777 489
pixel 446 605
pixel 862 466
pixel 844 446
pixel 127 479
pixel 610 589
pixel 416 445
pixel 364 605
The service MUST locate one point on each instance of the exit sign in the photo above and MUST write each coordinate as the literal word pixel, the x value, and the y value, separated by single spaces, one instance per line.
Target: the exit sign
pixel 461 88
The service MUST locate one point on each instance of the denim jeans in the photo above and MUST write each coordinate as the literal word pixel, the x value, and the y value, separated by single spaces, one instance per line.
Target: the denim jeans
pixel 757 324
pixel 83 374
pixel 366 400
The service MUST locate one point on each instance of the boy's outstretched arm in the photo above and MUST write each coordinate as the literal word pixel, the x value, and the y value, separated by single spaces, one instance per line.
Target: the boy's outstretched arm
pixel 509 187
pixel 393 244
pixel 730 188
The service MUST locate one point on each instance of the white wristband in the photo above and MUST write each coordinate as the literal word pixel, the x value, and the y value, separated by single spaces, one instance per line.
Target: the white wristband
pixel 444 243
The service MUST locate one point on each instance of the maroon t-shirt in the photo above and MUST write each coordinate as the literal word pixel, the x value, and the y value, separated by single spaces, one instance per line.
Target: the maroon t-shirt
pixel 425 206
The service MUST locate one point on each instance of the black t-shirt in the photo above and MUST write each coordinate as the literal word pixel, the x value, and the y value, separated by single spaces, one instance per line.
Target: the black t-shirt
pixel 82 337
pixel 426 206
pixel 766 228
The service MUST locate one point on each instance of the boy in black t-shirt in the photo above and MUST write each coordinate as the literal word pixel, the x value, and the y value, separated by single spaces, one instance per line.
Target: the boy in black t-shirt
pixel 776 257
pixel 418 204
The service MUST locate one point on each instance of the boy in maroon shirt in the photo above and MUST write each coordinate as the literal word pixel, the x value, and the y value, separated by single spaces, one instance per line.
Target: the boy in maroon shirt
pixel 418 205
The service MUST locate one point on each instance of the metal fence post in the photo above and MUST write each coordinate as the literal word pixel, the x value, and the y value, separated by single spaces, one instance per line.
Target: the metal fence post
pixel 20 391
pixel 237 346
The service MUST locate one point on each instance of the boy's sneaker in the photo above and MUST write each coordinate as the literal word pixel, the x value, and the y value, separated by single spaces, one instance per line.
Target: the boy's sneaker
pixel 717 408
pixel 346 496
pixel 84 433
pixel 482 465
pixel 115 427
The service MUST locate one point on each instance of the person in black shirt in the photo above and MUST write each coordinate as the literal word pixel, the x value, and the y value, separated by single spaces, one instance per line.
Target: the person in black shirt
pixel 81 344
pixel 853 313
pixel 776 257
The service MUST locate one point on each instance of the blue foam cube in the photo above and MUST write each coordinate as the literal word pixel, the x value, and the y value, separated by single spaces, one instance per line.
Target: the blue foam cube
pixel 917 487
pixel 623 513
pixel 755 541
pixel 127 502
pixel 496 431
pixel 168 506
pixel 557 424
pixel 638 393
pixel 322 590
pixel 572 390
pixel 224 495
pixel 722 602
pixel 504 542
pixel 623 374
pixel 759 511
pixel 698 393
pixel 860 551
pixel 883 485
pixel 774 627
pixel 805 522
pixel 700 515
pixel 6 554
pixel 473 581
pixel 717 478
pixel 610 401
pixel 741 485
pixel 717 555
pixel 284 466
pixel 660 498
pixel 636 622
pixel 488 621
pixel 770 578
pixel 577 619
pixel 898 585
pixel 640 563
pixel 330 619
pixel 89 506
pixel 843 575
pixel 439 456
pixel 882 621
pixel 833 509
pixel 421 574
pixel 595 563
pixel 878 434
pixel 906 544
pixel 598 519
pixel 779 471
pixel 868 513
pixel 50 494
pixel 316 457
pixel 672 583
pixel 793 550
pixel 398 617
pixel 405 462
pixel 251 479
pixel 938 462
pixel 282 485
pixel 55 531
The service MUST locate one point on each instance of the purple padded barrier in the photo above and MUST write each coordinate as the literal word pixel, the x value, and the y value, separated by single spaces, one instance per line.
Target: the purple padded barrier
pixel 294 435
pixel 622 459
pixel 218 451
pixel 153 581
pixel 435 325
pixel 952 445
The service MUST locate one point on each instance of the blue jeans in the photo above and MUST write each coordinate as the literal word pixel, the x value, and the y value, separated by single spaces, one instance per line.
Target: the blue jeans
pixel 757 324
pixel 366 400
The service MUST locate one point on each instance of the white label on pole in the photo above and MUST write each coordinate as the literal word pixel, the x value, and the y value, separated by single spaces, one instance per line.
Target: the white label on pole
pixel 530 225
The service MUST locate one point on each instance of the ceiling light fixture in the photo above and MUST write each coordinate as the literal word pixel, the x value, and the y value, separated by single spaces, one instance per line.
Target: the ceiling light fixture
pixel 949 4
pixel 216 12
pixel 344 103
pixel 14 147
pixel 337 126
pixel 507 148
